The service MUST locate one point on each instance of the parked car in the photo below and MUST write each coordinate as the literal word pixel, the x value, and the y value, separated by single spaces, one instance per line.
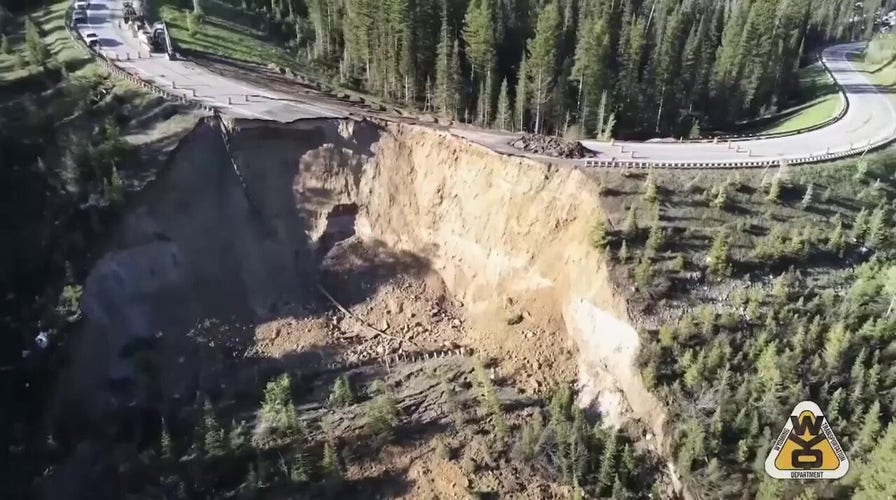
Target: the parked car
pixel 91 38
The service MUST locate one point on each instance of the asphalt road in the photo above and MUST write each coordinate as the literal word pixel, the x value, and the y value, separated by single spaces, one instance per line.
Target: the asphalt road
pixel 870 120
pixel 185 78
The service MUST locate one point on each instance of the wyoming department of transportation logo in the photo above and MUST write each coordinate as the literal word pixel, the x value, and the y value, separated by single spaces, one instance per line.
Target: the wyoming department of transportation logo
pixel 807 448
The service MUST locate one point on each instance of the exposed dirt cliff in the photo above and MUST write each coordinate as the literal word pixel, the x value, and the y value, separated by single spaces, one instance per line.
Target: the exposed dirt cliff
pixel 447 243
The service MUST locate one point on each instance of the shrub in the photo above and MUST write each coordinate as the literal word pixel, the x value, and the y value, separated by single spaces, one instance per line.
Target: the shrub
pixel 69 304
pixel 383 414
pixel 598 235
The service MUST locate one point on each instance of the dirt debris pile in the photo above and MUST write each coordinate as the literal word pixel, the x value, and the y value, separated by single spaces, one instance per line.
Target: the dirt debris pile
pixel 552 146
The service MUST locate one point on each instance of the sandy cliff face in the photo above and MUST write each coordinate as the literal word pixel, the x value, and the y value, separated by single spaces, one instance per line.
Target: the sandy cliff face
pixel 497 227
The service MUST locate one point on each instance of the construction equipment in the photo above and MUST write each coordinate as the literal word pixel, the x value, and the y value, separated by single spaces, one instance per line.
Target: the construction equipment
pixel 152 38
pixel 132 11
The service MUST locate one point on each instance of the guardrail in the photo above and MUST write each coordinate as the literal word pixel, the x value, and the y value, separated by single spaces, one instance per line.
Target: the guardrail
pixel 763 163
pixel 115 70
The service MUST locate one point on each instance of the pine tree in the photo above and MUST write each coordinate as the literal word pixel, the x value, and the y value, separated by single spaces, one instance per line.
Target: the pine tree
pixel 774 190
pixel 644 272
pixel 300 468
pixel 719 264
pixel 115 188
pixel 542 60
pixel 868 434
pixel 607 472
pixel 667 66
pixel 837 239
pixel 623 253
pixel 36 49
pixel 383 415
pixel 166 446
pixel 599 234
pixel 655 238
pixel 341 394
pixel 877 227
pixel 527 447
pixel 446 72
pixel 807 197
pixel 589 71
pixel 329 464
pixel 876 479
pixel 239 437
pixel 504 117
pixel 650 189
pixel 630 225
pixel 490 404
pixel 860 225
pixel 523 88
pixel 890 289
pixel 214 442
pixel 479 34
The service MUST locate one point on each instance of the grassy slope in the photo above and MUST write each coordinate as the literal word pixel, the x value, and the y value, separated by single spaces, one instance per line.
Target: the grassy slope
pixel 226 31
pixel 818 102
pixel 879 63
pixel 50 20
pixel 699 354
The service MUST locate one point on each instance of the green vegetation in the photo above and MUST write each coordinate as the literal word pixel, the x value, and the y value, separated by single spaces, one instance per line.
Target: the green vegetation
pixel 879 62
pixel 818 100
pixel 40 38
pixel 797 303
pixel 221 29
pixel 66 163
pixel 588 69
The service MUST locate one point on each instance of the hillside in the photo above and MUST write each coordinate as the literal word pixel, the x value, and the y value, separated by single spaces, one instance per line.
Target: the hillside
pixel 73 143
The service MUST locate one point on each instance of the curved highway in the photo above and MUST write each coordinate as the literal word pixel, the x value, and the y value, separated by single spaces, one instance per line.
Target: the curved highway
pixel 869 122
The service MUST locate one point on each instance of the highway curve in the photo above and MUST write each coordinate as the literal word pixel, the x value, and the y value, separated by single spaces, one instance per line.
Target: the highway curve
pixel 870 120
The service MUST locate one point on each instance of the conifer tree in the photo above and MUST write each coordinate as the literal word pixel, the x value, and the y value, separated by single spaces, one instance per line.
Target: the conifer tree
pixel 623 252
pixel 607 473
pixel 599 234
pixel 523 88
pixel 807 196
pixel 214 442
pixel 542 60
pixel 36 49
pixel 479 35
pixel 504 117
pixel 341 394
pixel 589 71
pixel 446 72
pixel 876 479
pixel 166 446
pixel 329 464
pixel 719 264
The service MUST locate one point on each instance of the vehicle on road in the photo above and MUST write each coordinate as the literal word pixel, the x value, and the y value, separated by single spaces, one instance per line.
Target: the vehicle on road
pixel 130 12
pixel 79 17
pixel 152 38
pixel 91 38
pixel 82 5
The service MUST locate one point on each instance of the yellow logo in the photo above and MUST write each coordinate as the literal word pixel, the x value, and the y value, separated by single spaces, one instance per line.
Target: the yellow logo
pixel 807 448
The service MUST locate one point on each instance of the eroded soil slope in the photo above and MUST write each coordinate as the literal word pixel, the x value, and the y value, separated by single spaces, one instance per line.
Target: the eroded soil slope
pixel 299 245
